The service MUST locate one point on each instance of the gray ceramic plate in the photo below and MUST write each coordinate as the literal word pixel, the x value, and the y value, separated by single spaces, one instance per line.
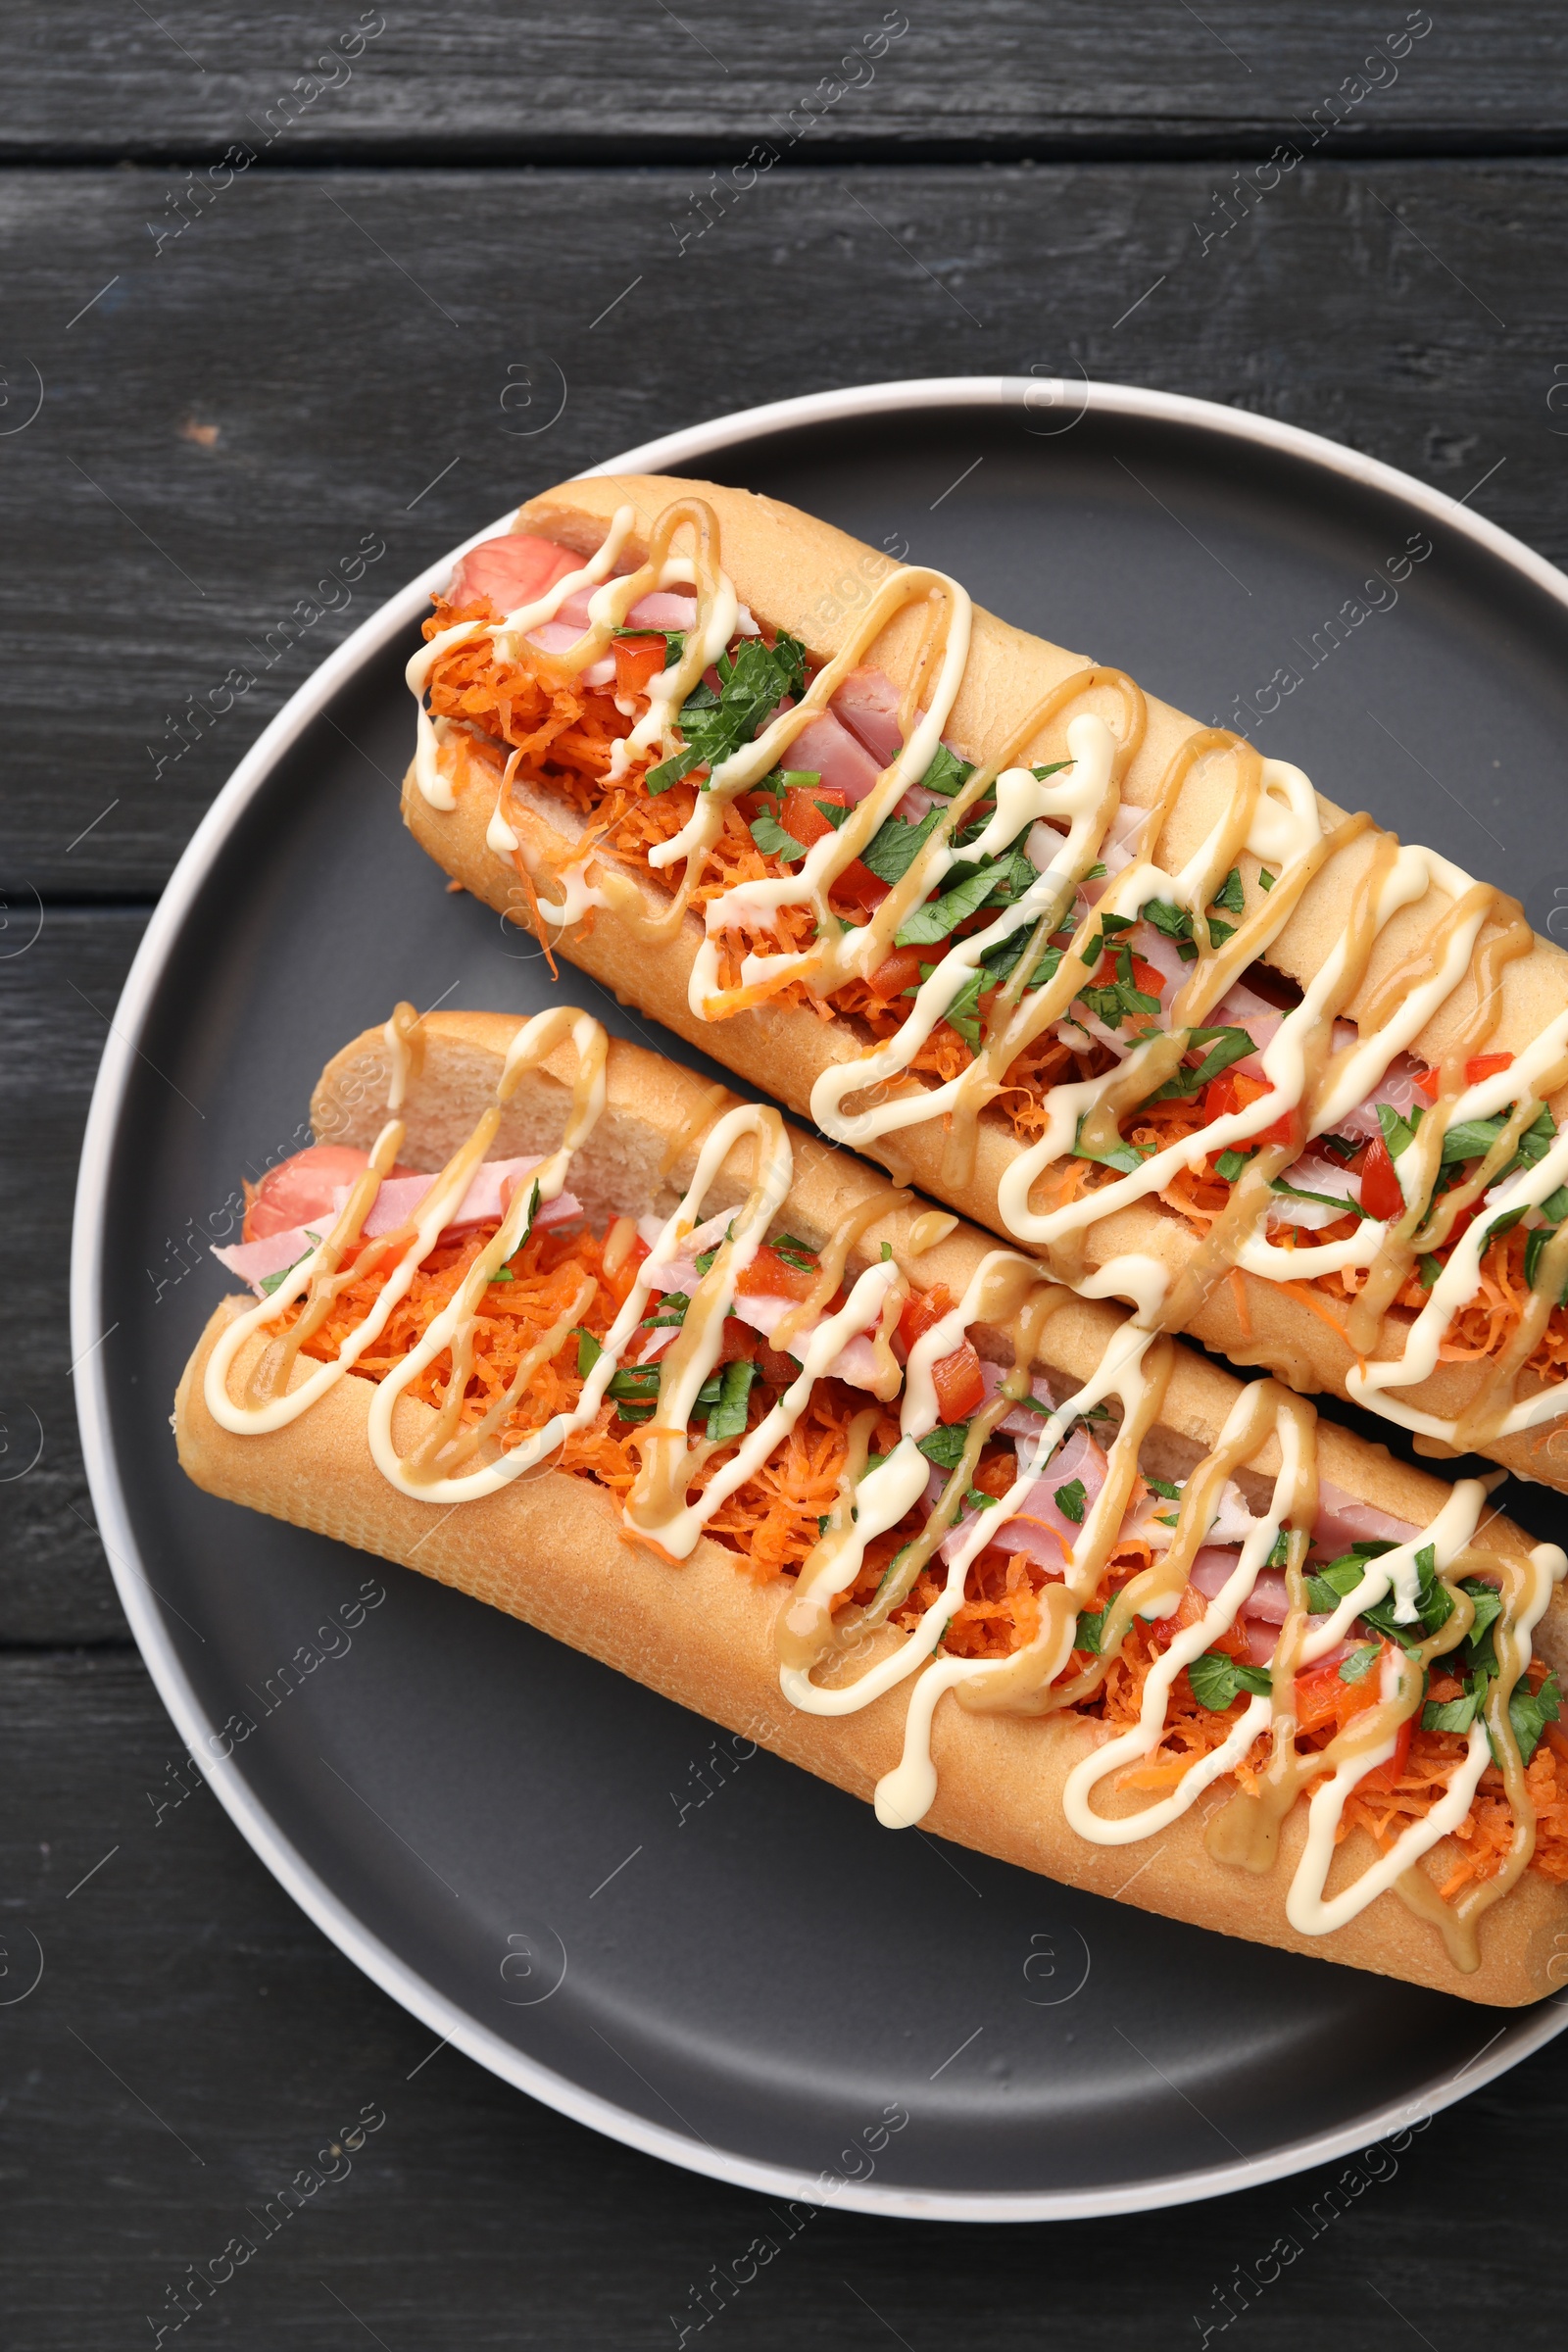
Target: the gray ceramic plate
pixel 698 1950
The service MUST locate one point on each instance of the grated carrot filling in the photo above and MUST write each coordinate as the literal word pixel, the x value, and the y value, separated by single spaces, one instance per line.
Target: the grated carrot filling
pixel 560 734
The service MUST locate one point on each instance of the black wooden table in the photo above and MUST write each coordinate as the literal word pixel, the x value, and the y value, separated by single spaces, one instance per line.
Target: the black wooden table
pixel 283 285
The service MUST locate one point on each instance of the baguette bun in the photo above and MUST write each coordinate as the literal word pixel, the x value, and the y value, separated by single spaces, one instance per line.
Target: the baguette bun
pixel 551 1549
pixel 803 575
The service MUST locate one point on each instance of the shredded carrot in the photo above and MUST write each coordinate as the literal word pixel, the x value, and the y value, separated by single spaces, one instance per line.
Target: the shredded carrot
pixel 1301 1290
pixel 558 734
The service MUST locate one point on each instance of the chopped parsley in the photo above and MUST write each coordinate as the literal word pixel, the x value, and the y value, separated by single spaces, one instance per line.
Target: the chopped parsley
pixel 726 1416
pixel 1092 1628
pixel 1121 999
pixel 1265 878
pixel 1360 1662
pixel 798 1253
pixel 1225 1045
pixel 1534 1243
pixel 1070 1501
pixel 1128 1159
pixel 895 845
pixel 939 917
pixel 1332 1201
pixel 704 1265
pixel 715 723
pixel 1217 1680
pixel 1163 1486
pixel 1398 1134
pixel 1230 893
pixel 944 1446
pixel 947 773
pixel 772 840
pixel 1176 923
pixel 271 1282
pixel 1230 1164
pixel 1473 1138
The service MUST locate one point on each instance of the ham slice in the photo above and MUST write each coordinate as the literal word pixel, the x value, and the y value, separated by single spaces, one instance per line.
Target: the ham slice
pixel 856 1361
pixel 833 754
pixel 867 704
pixel 1020 1422
pixel 303 1188
pixel 1041 1529
pixel 485 1200
pixel 1343 1521
pixel 1265 1610
pixel 1397 1087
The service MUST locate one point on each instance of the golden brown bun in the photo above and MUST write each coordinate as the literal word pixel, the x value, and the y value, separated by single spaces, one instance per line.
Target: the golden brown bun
pixel 803 576
pixel 551 1550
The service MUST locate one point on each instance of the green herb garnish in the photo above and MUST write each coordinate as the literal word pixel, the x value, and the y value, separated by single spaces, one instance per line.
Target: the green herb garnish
pixel 1217 1680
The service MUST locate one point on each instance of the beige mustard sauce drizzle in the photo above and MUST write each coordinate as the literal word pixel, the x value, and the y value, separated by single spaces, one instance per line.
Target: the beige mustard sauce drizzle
pixel 1009 1294
pixel 810 1636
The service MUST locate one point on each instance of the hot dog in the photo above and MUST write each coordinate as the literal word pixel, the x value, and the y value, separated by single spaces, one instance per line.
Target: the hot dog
pixel 1105 981
pixel 633 1360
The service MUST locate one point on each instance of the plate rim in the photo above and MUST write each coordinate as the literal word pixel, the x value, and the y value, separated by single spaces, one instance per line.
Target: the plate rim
pixel 377 1960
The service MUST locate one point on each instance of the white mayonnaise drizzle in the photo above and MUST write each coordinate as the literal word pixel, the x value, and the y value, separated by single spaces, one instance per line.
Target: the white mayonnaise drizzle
pixel 892 1488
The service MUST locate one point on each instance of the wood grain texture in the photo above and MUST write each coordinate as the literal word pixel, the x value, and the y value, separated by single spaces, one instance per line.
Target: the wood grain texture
pixel 318 365
pixel 222 417
pixel 56 1001
pixel 193 2042
pixel 524 82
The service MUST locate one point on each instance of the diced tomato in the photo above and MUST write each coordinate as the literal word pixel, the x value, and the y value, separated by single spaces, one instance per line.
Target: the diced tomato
pixel 1463 1222
pixel 1383 1780
pixel 1234 1090
pixel 621 1283
pixel 897 972
pixel 803 819
pixel 960 1384
pixel 1319 1696
pixel 780 1371
pixel 1479 1066
pixel 637 659
pixel 1381 1195
pixel 770 1276
pixel 739 1342
pixel 922 1309
pixel 1284 1131
pixel 1148 976
pixel 302 1187
pixel 1231 1091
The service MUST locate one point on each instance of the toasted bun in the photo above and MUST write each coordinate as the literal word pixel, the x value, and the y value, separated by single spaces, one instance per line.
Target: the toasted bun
pixel 803 576
pixel 551 1549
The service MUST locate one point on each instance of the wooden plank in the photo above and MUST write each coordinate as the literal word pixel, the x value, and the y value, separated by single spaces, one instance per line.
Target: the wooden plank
pixel 315 368
pixel 193 2042
pixel 525 83
pixel 56 997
